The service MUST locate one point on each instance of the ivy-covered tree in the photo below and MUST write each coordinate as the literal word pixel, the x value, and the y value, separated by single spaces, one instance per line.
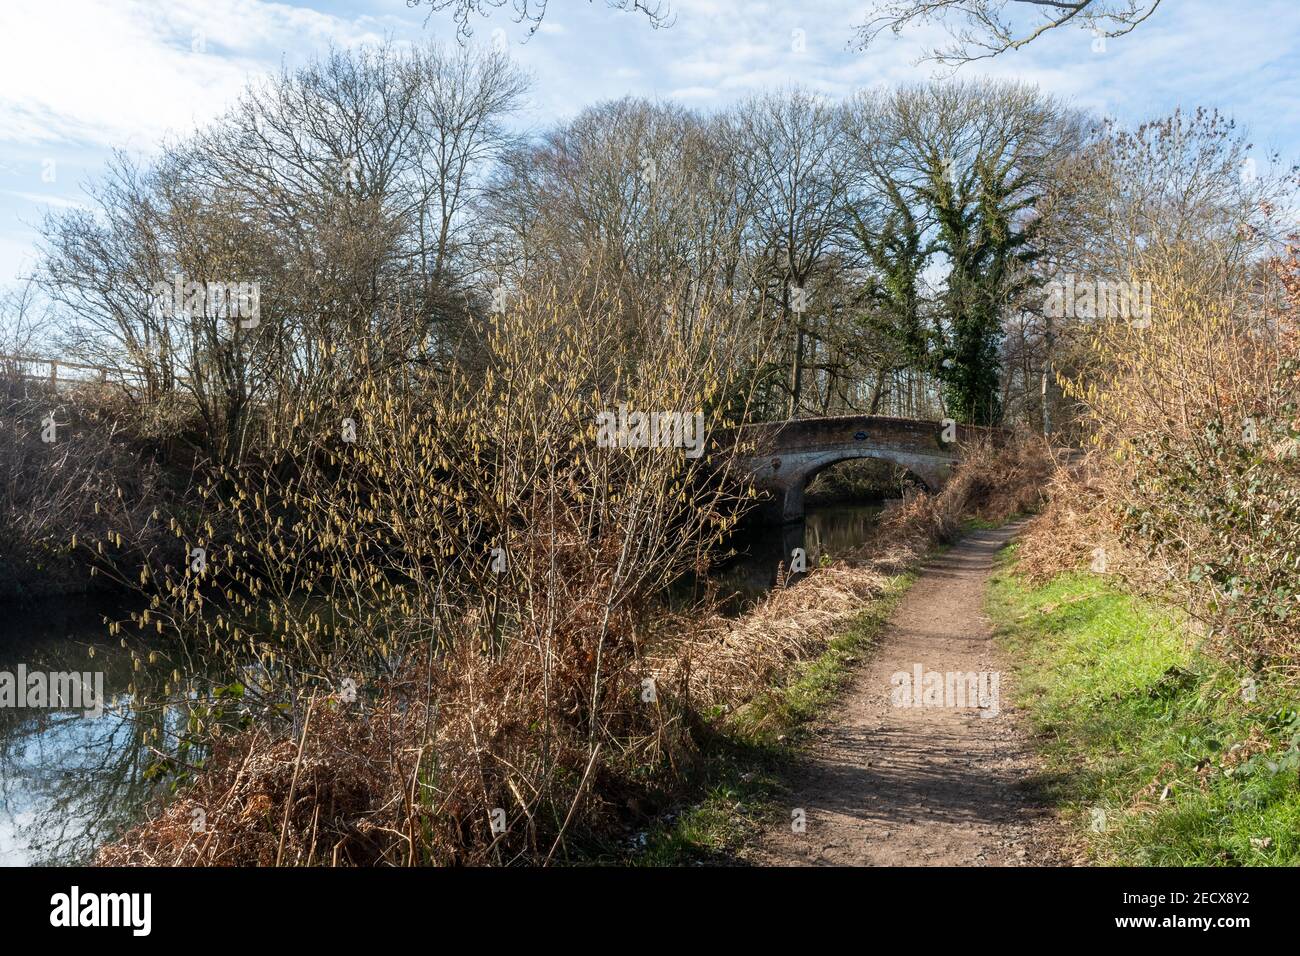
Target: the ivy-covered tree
pixel 957 171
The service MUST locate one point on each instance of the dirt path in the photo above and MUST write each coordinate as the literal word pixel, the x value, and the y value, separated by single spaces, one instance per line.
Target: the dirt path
pixel 922 786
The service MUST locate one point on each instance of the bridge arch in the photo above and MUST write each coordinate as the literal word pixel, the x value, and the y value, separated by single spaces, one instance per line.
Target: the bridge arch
pixel 783 457
pixel 796 485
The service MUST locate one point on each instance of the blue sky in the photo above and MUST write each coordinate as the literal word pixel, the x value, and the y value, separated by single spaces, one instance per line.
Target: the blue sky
pixel 79 78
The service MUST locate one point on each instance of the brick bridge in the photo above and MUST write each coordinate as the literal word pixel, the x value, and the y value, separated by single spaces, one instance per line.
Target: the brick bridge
pixel 784 457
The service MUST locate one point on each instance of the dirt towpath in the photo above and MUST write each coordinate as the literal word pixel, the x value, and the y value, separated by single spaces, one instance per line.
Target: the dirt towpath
pixel 891 785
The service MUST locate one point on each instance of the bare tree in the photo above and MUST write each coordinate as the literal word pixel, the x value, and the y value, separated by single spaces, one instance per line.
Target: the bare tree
pixel 981 29
pixel 653 191
pixel 339 190
pixel 797 159
pixel 1184 195
pixel 459 133
pixel 26 319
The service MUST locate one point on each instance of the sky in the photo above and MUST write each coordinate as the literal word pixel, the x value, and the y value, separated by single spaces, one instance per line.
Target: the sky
pixel 82 78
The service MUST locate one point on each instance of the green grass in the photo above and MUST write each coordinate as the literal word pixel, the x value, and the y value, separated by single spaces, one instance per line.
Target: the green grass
pixel 741 770
pixel 1154 753
pixel 982 524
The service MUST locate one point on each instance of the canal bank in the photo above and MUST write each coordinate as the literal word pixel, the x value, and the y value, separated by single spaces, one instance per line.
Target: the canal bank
pixel 68 784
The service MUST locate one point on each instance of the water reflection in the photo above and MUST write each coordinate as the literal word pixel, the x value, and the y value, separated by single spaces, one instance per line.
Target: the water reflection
pixel 67 781
pixel 764 552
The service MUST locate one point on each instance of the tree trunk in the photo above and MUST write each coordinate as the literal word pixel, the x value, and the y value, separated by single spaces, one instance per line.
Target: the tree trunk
pixel 1049 346
pixel 796 371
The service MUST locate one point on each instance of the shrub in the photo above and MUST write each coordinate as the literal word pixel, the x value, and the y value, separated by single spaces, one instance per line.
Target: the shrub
pixel 80 489
pixel 464 555
pixel 1195 420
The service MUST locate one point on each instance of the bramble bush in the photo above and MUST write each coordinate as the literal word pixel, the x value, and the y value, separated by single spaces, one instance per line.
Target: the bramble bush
pixel 1196 419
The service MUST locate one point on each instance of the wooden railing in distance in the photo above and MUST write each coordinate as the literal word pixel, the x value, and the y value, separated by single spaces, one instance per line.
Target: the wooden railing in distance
pixel 54 364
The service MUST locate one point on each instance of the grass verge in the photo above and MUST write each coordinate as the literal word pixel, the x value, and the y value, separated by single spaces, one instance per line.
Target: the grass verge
pixel 740 770
pixel 1158 754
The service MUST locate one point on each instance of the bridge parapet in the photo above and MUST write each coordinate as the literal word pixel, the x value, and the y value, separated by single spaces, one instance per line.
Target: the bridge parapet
pixel 902 433
pixel 784 456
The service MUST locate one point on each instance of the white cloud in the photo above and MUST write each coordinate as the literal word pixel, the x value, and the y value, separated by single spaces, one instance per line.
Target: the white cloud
pixel 58 202
pixel 80 76
pixel 127 72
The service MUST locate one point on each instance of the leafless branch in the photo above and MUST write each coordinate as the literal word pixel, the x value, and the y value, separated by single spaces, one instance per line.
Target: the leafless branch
pixel 982 29
pixel 533 12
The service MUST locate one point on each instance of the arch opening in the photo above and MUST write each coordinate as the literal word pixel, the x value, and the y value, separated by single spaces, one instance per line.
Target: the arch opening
pixel 792 494
pixel 859 479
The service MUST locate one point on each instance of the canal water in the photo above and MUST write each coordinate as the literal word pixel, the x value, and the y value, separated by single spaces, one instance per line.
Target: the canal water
pixel 68 782
pixel 766 552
